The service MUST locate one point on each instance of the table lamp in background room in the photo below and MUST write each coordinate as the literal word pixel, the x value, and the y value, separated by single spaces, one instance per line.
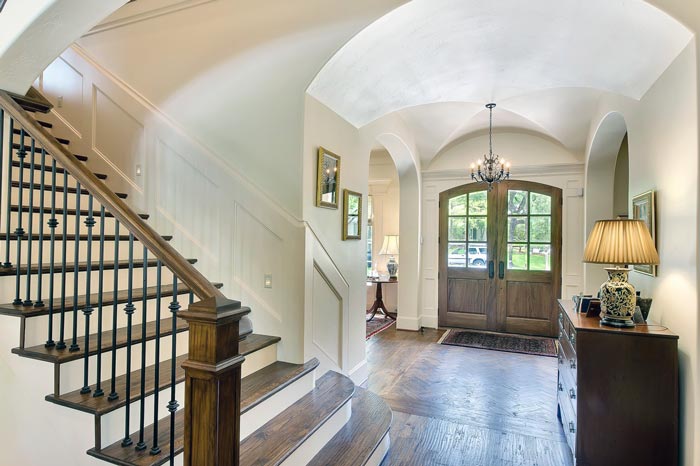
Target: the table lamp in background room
pixel 620 242
pixel 390 247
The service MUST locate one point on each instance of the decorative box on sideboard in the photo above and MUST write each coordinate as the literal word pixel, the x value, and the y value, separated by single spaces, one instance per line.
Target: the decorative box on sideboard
pixel 617 391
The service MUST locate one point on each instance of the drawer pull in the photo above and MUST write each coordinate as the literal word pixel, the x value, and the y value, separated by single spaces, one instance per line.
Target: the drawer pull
pixel 572 364
pixel 561 387
pixel 572 394
pixel 572 428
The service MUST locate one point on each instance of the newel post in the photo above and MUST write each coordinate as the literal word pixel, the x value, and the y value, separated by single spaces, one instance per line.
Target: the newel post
pixel 213 383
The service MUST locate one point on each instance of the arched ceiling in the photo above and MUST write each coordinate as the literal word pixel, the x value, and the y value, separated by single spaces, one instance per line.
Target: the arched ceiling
pixel 545 62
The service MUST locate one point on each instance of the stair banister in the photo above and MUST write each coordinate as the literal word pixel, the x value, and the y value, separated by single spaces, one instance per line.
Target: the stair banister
pixel 213 367
pixel 201 287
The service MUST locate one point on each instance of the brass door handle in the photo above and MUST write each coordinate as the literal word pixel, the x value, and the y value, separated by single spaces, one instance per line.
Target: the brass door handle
pixel 491 269
pixel 501 269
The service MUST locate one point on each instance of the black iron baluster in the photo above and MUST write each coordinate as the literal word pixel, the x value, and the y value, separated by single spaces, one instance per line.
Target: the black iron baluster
pixel 30 221
pixel 155 449
pixel 173 404
pixel 191 297
pixel 53 223
pixel 19 231
pixel 42 192
pixel 129 309
pixel 64 243
pixel 76 272
pixel 141 445
pixel 87 311
pixel 100 288
pixel 113 395
pixel 7 263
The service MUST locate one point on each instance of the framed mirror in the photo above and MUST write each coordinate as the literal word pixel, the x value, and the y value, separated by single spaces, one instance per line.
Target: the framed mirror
pixel 352 215
pixel 327 179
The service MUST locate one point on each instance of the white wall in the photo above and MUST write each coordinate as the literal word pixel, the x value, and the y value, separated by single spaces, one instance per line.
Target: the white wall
pixel 533 159
pixel 214 213
pixel 663 155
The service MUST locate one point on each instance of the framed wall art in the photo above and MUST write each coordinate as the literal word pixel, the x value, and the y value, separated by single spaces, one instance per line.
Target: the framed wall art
pixel 327 179
pixel 352 215
pixel 644 208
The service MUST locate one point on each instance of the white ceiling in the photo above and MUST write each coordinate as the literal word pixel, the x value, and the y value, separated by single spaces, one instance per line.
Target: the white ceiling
pixel 544 62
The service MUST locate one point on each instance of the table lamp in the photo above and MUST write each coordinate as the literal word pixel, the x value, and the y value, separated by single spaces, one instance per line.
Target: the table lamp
pixel 390 247
pixel 620 242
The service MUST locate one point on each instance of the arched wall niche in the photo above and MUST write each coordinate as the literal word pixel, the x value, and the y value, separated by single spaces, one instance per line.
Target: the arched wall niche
pixel 600 184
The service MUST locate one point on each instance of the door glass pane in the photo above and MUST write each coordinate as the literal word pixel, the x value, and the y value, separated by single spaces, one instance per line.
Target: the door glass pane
pixel 478 203
pixel 456 255
pixel 540 229
pixel 477 255
pixel 517 256
pixel 540 204
pixel 457 229
pixel 458 205
pixel 477 228
pixel 517 202
pixel 517 229
pixel 540 257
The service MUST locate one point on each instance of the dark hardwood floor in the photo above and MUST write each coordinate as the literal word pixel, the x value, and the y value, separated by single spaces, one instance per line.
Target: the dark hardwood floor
pixel 463 406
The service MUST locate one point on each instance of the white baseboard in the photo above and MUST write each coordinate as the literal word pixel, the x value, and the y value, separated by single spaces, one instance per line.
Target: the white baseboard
pixel 408 323
pixel 359 373
pixel 429 321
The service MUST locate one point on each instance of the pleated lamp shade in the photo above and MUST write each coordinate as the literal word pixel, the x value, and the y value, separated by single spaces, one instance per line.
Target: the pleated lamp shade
pixel 621 241
pixel 390 246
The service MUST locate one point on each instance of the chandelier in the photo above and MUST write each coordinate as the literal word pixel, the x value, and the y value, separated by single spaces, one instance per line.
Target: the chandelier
pixel 492 168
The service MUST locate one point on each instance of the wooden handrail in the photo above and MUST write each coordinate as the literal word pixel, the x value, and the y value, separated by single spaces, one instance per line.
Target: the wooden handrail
pixel 172 259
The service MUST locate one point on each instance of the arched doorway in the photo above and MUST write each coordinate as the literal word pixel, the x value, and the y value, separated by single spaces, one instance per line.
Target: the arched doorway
pixel 500 257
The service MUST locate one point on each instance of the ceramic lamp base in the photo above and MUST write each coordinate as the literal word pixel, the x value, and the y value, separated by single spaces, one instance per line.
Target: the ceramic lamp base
pixel 617 299
pixel 392 267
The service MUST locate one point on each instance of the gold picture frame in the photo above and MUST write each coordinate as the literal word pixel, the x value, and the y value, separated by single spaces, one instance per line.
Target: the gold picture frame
pixel 327 179
pixel 352 215
pixel 644 208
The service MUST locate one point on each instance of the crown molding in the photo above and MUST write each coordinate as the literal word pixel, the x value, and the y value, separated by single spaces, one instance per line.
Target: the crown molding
pixel 134 12
pixel 516 171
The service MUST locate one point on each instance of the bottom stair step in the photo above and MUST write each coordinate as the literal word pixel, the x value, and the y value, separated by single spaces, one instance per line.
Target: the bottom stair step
pixel 358 440
pixel 255 389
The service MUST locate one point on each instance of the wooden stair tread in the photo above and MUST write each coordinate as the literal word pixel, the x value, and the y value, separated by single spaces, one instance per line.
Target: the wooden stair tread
pixel 45 124
pixel 107 300
pixel 281 436
pixel 256 387
pixel 275 379
pixel 63 356
pixel 101 405
pixel 355 443
pixel 18 132
pixel 255 342
pixel 271 379
pixel 59 189
pixel 59 211
pixel 82 266
pixel 71 237
pixel 37 166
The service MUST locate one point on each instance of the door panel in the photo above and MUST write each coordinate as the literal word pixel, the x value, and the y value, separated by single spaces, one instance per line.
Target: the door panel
pixel 500 257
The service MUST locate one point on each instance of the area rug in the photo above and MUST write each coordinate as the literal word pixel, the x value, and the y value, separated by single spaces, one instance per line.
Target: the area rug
pixel 378 324
pixel 539 346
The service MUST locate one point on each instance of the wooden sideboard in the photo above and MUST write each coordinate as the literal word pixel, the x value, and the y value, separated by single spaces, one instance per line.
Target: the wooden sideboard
pixel 617 391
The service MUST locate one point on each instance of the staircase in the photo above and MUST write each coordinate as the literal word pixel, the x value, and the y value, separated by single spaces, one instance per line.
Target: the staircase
pixel 125 320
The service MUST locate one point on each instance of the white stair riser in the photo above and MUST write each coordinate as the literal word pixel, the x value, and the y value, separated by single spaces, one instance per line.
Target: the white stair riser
pixel 69 224
pixel 258 416
pixel 318 439
pixel 70 250
pixel 380 453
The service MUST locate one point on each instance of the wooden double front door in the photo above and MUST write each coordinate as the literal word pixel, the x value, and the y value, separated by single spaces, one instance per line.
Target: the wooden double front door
pixel 500 257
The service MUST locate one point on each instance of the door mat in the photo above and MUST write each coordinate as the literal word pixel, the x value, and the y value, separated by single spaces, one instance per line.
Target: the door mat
pixel 539 346
pixel 378 324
